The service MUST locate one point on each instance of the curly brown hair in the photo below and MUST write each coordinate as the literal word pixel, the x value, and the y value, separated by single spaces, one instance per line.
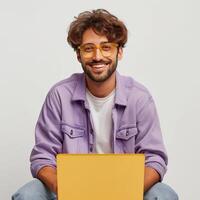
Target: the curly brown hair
pixel 102 22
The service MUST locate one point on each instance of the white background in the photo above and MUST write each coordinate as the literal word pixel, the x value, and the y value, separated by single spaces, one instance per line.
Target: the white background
pixel 162 52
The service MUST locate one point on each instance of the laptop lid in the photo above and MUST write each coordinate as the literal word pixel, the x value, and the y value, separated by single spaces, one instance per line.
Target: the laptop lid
pixel 100 176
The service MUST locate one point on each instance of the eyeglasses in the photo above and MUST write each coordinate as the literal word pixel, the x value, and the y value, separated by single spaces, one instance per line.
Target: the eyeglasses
pixel 106 48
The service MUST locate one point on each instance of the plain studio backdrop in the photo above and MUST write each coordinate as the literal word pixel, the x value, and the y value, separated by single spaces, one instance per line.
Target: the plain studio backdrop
pixel 162 52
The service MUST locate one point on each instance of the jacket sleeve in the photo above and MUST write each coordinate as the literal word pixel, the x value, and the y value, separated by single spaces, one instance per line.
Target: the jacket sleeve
pixel 48 138
pixel 149 138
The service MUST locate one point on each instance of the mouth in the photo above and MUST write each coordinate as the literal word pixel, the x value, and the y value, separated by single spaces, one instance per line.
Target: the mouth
pixel 98 65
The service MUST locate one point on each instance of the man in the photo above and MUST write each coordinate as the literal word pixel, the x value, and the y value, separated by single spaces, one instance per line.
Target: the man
pixel 98 111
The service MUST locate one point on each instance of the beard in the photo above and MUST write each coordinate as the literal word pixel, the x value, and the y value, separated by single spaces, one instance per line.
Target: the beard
pixel 111 67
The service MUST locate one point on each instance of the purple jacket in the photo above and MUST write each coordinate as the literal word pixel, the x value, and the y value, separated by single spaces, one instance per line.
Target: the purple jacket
pixel 64 124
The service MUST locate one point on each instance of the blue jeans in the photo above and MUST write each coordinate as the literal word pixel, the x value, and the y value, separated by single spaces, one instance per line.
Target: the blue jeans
pixel 36 190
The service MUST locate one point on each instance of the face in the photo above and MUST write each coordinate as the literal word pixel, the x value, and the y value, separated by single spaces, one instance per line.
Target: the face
pixel 98 67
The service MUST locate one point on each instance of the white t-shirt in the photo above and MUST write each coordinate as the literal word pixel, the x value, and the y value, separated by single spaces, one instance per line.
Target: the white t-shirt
pixel 101 111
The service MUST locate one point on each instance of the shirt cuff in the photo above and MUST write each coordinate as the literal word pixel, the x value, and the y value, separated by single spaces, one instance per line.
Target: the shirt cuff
pixel 35 168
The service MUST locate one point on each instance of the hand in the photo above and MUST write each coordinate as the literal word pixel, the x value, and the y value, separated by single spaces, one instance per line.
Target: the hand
pixel 54 187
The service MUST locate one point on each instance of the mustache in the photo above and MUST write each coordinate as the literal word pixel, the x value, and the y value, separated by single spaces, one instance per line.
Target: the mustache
pixel 101 62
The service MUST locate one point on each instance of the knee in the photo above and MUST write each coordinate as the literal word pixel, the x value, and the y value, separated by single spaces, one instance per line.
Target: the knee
pixel 33 190
pixel 23 195
pixel 161 191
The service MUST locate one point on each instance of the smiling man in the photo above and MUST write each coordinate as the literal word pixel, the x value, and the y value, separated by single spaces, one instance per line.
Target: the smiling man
pixel 106 55
pixel 98 111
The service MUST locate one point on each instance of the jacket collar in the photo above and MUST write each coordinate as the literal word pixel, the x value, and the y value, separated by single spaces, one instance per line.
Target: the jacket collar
pixel 121 89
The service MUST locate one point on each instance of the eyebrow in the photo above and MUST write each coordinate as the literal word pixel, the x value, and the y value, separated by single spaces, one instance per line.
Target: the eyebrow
pixel 94 44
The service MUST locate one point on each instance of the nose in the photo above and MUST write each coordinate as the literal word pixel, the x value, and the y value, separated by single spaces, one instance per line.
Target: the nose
pixel 97 54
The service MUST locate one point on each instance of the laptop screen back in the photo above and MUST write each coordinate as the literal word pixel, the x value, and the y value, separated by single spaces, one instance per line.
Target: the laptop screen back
pixel 100 176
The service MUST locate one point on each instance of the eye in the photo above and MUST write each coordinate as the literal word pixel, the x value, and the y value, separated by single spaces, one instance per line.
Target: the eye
pixel 106 47
pixel 88 48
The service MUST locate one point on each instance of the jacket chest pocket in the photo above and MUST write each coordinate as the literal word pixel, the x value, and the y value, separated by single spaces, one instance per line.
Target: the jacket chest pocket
pixel 73 139
pixel 126 139
pixel 72 132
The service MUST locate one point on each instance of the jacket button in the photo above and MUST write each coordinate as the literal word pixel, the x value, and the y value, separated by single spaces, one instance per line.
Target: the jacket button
pixel 71 132
pixel 127 133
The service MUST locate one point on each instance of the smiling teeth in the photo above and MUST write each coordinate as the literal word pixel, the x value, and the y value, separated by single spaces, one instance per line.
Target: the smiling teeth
pixel 99 66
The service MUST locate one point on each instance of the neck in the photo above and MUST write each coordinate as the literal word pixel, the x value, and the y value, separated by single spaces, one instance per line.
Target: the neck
pixel 101 89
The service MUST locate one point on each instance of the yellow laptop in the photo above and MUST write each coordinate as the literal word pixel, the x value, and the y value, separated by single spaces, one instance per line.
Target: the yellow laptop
pixel 100 176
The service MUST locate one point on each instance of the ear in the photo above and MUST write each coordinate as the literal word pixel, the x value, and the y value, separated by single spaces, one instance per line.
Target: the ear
pixel 78 56
pixel 120 53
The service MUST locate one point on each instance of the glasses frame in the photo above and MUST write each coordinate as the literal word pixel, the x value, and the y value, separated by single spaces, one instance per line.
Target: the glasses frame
pixel 97 46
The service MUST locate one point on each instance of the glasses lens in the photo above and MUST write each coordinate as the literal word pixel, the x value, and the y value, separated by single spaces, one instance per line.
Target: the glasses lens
pixel 107 48
pixel 87 50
